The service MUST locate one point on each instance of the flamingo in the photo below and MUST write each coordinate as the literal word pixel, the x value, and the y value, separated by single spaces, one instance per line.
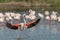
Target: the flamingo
pixel 1 15
pixel 7 13
pixel 59 19
pixel 30 10
pixel 46 13
pixel 1 23
pixel 53 18
pixel 41 16
pixel 26 16
pixel 17 17
pixel 1 18
pixel 47 19
pixel 31 15
pixel 54 13
pixel 12 14
pixel 8 17
pixel 53 21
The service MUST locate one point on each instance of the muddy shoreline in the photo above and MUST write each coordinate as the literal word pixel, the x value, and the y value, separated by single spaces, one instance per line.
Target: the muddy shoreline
pixel 19 6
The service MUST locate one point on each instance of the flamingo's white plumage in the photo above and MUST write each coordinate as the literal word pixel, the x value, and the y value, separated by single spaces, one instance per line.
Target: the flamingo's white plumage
pixel 54 12
pixel 46 12
pixel 7 13
pixel 53 17
pixel 59 19
pixel 17 16
pixel 12 14
pixel 32 15
pixel 41 15
pixel 47 17
pixel 1 15
pixel 30 10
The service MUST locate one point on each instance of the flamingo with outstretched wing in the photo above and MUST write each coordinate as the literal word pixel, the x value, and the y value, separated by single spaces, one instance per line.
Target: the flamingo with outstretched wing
pixel 28 25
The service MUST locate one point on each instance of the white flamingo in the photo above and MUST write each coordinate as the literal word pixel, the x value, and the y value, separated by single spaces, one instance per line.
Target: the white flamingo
pixel 59 19
pixel 26 16
pixel 47 19
pixel 17 17
pixel 54 12
pixel 30 10
pixel 1 23
pixel 53 18
pixel 46 13
pixel 12 14
pixel 1 15
pixel 1 19
pixel 8 17
pixel 31 15
pixel 41 16
pixel 7 13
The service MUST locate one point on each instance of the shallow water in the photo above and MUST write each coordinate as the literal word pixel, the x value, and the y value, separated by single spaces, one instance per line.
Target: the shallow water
pixel 41 31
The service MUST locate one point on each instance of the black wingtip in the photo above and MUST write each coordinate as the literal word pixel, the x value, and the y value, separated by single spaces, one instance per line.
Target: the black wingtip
pixel 10 26
pixel 15 27
pixel 34 23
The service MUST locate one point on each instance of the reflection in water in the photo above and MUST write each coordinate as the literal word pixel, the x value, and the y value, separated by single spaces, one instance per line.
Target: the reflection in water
pixel 54 29
pixel 58 27
pixel 47 24
pixel 47 27
pixel 41 27
pixel 33 28
pixel 18 37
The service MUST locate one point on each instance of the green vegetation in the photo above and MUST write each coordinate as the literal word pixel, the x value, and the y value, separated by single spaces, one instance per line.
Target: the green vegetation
pixel 3 1
pixel 15 5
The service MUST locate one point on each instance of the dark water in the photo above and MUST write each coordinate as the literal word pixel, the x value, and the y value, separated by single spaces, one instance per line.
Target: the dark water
pixel 41 31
